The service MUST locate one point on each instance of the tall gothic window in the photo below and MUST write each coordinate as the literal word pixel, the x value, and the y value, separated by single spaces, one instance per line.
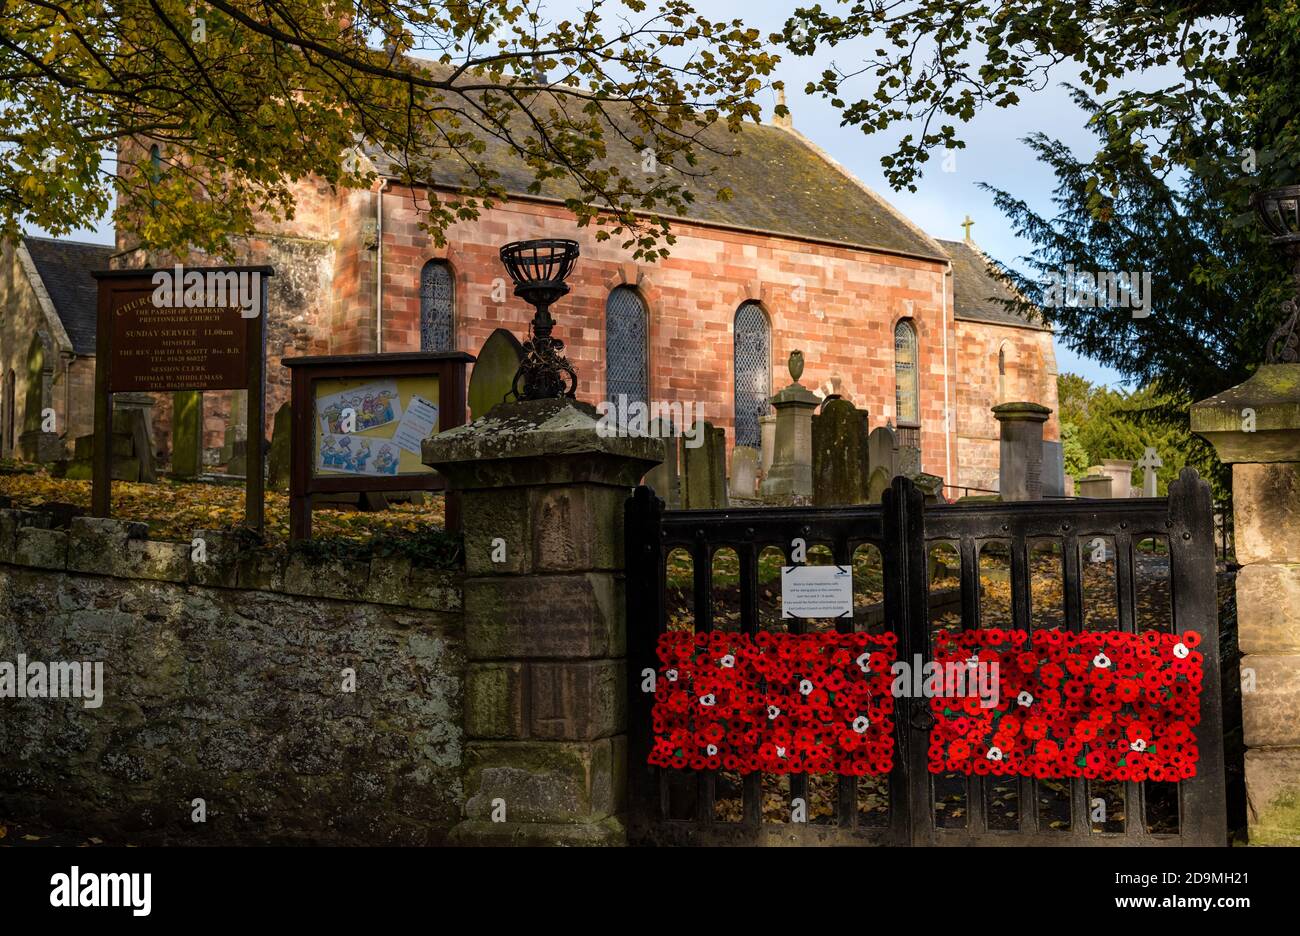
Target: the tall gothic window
pixel 907 395
pixel 627 328
pixel 753 365
pixel 1002 374
pixel 437 304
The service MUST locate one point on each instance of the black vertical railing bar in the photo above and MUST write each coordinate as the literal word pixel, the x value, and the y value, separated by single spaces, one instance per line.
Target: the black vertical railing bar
pixel 1126 610
pixel 702 567
pixel 1194 604
pixel 644 588
pixel 752 783
pixel 846 788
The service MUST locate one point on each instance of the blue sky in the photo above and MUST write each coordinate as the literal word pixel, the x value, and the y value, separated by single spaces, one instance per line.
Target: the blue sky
pixel 993 154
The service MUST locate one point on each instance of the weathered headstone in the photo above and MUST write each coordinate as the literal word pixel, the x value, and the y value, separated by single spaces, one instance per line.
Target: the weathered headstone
pixel 704 471
pixel 187 433
pixel 1095 486
pixel 1020 451
pixel 234 451
pixel 131 458
pixel 1053 469
pixel 1121 475
pixel 882 459
pixel 494 371
pixel 744 472
pixel 767 441
pixel 791 471
pixel 839 453
pixel 1150 464
pixel 277 469
pixel 665 478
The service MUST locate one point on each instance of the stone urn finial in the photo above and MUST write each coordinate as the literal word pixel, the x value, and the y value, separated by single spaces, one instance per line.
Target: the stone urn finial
pixel 796 365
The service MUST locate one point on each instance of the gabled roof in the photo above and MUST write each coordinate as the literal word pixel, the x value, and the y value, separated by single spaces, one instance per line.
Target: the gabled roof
pixel 780 184
pixel 976 291
pixel 64 268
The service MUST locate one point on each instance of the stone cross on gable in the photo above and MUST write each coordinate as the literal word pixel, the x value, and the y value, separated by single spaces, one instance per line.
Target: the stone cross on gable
pixel 1149 463
pixel 966 226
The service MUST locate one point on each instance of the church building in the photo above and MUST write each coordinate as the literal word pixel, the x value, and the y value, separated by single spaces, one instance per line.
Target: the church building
pixel 803 256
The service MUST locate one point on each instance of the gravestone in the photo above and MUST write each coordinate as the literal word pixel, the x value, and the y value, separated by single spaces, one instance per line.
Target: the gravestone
pixel 277 469
pixel 665 477
pixel 704 471
pixel 1121 476
pixel 1053 469
pixel 744 472
pixel 1095 486
pixel 494 372
pixel 882 460
pixel 838 456
pixel 187 433
pixel 1150 464
pixel 791 471
pixel 767 441
pixel 132 458
pixel 234 451
pixel 1020 450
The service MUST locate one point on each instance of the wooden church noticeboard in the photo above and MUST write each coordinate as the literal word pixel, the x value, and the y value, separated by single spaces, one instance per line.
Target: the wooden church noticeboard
pixel 359 421
pixel 181 328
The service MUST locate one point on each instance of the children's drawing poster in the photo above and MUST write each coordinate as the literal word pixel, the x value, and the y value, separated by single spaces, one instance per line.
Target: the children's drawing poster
pixel 373 427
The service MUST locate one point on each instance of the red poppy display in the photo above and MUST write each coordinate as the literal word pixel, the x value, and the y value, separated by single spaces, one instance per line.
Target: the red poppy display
pixel 1106 706
pixel 777 703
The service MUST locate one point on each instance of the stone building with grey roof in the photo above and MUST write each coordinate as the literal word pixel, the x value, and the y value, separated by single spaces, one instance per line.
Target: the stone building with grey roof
pixel 47 345
pixel 802 256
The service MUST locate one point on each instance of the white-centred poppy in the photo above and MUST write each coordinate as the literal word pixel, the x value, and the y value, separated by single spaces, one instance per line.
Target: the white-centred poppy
pixel 773 711
pixel 728 661
pixel 1024 699
pixel 1101 661
pixel 1181 650
pixel 995 753
pixel 805 687
pixel 707 699
pixel 861 724
pixel 864 662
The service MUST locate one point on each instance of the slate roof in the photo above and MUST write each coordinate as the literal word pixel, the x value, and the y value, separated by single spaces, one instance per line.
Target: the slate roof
pixel 64 267
pixel 780 183
pixel 976 290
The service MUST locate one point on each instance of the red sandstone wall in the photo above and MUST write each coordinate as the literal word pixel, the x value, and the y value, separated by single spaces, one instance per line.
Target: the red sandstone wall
pixel 1031 376
pixel 842 319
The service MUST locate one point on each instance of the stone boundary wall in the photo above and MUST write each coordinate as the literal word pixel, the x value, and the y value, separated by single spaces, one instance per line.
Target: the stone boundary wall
pixel 224 680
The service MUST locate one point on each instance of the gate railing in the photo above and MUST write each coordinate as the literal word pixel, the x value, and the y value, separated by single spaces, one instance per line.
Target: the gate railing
pixel 669 806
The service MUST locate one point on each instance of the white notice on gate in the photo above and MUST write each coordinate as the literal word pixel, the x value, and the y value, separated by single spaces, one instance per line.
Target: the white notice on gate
pixel 816 591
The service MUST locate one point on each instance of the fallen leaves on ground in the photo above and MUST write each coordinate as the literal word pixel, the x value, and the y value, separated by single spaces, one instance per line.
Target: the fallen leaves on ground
pixel 175 510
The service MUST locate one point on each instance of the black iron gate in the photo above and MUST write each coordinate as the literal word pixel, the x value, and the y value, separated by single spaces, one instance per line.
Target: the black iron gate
pixel 1104 550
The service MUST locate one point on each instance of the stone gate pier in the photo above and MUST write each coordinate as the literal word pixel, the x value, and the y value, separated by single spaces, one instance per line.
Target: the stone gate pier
pixel 545 634
pixel 1255 427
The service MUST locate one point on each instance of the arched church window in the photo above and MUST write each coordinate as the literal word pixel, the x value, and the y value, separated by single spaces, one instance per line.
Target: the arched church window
pixel 907 394
pixel 627 329
pixel 1002 374
pixel 437 304
pixel 753 369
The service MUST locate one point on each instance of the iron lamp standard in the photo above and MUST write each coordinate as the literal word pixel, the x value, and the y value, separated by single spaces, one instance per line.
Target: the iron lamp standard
pixel 539 269
pixel 1279 210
